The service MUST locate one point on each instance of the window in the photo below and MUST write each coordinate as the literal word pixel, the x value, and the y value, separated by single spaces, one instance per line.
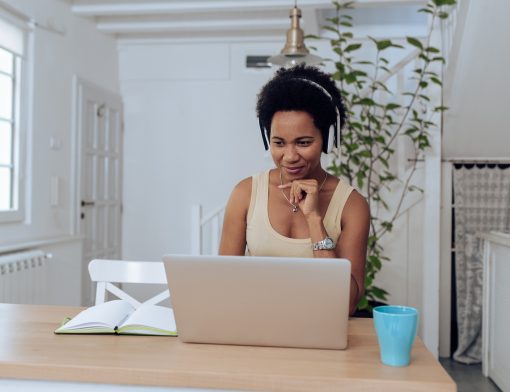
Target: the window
pixel 12 44
pixel 8 78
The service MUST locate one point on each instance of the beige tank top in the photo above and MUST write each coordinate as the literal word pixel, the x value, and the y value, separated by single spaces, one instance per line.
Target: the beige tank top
pixel 263 240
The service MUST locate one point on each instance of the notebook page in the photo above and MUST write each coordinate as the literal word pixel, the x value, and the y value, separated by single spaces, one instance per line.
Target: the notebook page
pixel 154 316
pixel 107 314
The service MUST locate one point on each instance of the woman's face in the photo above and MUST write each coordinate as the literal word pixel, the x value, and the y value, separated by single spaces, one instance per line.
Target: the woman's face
pixel 296 144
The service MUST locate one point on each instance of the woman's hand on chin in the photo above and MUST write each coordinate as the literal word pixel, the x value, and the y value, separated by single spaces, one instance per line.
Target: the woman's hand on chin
pixel 305 194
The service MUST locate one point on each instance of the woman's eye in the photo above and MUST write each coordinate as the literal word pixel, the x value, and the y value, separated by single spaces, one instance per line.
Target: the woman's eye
pixel 277 143
pixel 304 143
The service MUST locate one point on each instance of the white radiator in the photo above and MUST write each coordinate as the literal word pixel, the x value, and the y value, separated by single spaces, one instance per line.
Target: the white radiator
pixel 24 277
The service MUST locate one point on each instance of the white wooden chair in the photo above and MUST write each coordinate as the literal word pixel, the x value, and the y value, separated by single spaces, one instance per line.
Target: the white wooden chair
pixel 104 272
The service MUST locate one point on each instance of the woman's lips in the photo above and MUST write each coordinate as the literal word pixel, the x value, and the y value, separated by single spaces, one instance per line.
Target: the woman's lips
pixel 294 170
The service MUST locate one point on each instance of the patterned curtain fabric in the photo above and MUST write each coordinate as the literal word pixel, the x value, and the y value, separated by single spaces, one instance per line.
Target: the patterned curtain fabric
pixel 482 203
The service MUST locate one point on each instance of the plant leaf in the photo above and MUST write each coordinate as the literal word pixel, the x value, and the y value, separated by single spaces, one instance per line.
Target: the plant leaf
pixel 379 293
pixel 383 44
pixel 363 303
pixel 365 101
pixel 415 42
pixel 440 3
pixel 392 106
pixel 332 29
pixel 436 80
pixel 432 49
pixel 352 47
pixel 350 78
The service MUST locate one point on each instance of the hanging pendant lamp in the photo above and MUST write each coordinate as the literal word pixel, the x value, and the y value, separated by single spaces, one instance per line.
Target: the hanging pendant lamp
pixel 294 52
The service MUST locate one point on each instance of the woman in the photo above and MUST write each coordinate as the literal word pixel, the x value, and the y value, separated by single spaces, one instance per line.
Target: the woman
pixel 297 209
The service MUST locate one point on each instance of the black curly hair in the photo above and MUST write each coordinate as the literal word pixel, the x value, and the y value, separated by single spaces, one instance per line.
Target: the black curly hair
pixel 301 88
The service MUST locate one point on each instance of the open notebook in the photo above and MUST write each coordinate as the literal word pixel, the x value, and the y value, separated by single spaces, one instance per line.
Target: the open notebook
pixel 120 317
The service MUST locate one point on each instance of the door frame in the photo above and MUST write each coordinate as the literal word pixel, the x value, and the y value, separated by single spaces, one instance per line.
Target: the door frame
pixel 445 289
pixel 75 183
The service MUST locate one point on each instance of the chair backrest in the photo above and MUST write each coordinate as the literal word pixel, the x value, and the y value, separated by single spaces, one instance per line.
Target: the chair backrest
pixel 104 272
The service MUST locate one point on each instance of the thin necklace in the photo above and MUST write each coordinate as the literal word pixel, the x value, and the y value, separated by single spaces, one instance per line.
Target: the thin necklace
pixel 294 206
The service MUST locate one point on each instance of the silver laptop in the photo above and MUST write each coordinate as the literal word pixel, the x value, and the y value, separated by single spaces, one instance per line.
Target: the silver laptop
pixel 261 301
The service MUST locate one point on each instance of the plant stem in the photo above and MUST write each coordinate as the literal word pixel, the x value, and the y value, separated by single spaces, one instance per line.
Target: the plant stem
pixel 415 94
pixel 401 200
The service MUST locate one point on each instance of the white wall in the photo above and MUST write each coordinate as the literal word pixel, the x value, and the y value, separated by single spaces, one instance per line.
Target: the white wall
pixel 191 134
pixel 56 57
pixel 64 45
pixel 478 88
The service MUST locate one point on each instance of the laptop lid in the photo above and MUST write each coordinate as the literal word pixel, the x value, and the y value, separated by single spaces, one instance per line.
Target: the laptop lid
pixel 262 301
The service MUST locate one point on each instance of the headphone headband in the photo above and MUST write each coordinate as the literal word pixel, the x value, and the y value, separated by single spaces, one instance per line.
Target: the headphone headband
pixel 311 82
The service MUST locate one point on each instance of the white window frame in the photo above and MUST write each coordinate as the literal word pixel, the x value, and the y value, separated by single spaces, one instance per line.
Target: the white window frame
pixel 21 115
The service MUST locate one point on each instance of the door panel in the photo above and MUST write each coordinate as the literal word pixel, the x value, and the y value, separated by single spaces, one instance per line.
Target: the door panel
pixel 99 124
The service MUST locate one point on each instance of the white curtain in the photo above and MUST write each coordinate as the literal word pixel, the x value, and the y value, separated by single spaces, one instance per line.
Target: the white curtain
pixel 482 203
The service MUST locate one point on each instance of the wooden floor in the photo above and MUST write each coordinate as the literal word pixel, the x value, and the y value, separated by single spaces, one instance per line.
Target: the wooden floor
pixel 469 378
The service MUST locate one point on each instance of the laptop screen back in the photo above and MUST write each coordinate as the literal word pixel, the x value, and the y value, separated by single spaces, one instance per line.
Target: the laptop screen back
pixel 263 301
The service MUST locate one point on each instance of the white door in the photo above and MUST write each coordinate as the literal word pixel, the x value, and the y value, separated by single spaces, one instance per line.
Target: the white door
pixel 99 117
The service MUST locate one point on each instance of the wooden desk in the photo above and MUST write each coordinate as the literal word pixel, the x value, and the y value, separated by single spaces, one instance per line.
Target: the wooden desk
pixel 30 350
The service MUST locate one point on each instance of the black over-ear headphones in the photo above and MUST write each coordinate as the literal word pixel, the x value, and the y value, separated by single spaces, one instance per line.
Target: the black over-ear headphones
pixel 333 133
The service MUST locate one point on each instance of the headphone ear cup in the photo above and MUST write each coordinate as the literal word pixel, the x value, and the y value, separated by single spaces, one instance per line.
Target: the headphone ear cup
pixel 331 138
pixel 264 133
pixel 266 139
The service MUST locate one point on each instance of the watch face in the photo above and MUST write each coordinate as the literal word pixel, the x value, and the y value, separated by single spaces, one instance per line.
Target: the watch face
pixel 325 244
pixel 328 243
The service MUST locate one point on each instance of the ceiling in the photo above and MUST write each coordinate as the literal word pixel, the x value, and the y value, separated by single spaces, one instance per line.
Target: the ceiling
pixel 233 19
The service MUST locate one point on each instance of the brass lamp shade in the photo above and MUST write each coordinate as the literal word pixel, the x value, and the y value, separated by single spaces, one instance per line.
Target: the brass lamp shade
pixel 295 52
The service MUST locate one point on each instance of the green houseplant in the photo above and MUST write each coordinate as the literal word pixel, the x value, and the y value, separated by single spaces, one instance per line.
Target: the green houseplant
pixel 377 116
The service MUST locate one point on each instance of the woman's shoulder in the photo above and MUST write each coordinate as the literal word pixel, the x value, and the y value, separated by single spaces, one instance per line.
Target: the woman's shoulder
pixel 244 186
pixel 239 200
pixel 357 200
pixel 356 208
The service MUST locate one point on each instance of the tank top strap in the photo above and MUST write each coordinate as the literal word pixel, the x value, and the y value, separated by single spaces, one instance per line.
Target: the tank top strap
pixel 259 194
pixel 336 205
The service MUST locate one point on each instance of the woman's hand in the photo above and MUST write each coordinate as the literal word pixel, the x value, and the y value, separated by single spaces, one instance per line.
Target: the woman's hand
pixel 304 194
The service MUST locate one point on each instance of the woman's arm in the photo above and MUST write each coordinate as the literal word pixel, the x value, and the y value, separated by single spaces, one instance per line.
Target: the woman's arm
pixel 233 236
pixel 352 244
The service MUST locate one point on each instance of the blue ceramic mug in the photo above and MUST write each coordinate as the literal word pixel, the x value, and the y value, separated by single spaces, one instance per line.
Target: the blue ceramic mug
pixel 396 329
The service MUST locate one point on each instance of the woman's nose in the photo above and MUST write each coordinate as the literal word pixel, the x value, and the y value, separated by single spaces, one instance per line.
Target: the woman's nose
pixel 290 154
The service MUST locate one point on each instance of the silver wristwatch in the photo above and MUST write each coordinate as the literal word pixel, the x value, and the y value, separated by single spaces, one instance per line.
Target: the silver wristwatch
pixel 326 244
